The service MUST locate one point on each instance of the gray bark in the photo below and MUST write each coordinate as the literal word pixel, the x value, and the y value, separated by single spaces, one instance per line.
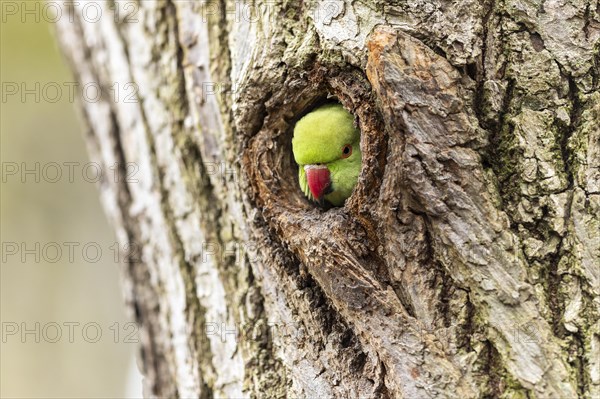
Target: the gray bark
pixel 466 262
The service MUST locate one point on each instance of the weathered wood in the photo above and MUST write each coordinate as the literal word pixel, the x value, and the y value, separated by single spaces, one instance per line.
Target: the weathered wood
pixel 465 264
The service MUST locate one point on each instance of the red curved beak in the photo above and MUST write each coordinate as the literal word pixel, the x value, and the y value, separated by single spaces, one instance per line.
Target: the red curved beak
pixel 318 180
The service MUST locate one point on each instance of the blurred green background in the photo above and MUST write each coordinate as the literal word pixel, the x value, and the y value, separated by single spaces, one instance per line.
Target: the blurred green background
pixel 51 214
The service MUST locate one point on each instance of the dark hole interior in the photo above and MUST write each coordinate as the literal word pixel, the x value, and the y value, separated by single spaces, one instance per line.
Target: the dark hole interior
pixel 274 141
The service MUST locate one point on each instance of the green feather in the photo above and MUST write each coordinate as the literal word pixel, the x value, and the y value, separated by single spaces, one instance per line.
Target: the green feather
pixel 319 138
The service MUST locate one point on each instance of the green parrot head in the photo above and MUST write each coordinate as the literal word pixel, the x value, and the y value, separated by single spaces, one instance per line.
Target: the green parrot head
pixel 326 148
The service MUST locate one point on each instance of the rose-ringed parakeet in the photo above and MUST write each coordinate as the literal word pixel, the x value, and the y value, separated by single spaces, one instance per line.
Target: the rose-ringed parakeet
pixel 326 148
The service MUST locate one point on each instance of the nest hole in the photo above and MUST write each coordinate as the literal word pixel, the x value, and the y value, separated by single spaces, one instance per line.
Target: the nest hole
pixel 273 156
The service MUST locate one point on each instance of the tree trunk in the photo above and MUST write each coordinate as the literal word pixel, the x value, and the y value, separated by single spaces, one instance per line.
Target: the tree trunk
pixel 466 262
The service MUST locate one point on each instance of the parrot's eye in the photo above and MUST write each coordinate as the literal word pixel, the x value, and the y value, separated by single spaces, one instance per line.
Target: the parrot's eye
pixel 346 151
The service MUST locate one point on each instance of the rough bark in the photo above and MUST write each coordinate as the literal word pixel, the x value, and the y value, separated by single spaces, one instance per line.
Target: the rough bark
pixel 466 262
